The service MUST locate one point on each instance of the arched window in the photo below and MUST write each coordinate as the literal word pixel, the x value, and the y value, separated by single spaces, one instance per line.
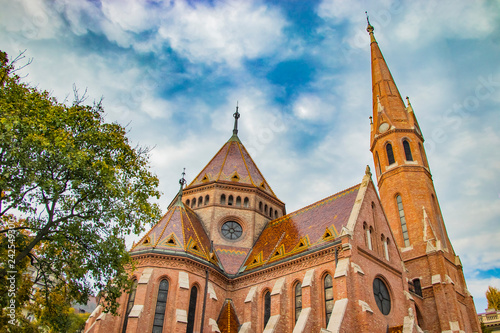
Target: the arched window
pixel 230 200
pixel 328 288
pixel 406 146
pixel 193 203
pixel 161 306
pixel 192 310
pixel 200 201
pixel 370 238
pixel 379 168
pixel 298 300
pixel 267 307
pixel 187 202
pixel 382 296
pixel 270 211
pixel 260 206
pixel 246 203
pixel 223 199
pixel 275 214
pixel 385 241
pixel 402 219
pixel 207 199
pixel 390 154
pixel 130 305
pixel 265 209
pixel 238 201
pixel 422 155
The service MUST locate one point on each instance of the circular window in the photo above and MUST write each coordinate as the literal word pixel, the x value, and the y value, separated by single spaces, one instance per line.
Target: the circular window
pixel 382 296
pixel 232 230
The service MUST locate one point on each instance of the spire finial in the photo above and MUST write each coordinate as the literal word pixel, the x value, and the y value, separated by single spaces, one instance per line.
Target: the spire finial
pixel 182 181
pixel 236 116
pixel 370 29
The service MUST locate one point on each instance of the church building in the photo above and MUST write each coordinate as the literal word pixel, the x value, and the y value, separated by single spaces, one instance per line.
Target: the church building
pixel 227 257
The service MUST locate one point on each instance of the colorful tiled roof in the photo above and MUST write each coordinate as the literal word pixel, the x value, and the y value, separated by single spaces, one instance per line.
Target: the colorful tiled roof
pixel 231 257
pixel 228 320
pixel 233 163
pixel 179 230
pixel 305 229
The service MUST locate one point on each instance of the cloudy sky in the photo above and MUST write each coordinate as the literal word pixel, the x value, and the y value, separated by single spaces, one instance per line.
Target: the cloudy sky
pixel 300 71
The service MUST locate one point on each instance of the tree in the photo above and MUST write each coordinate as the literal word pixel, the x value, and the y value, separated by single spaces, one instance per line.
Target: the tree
pixel 493 297
pixel 79 185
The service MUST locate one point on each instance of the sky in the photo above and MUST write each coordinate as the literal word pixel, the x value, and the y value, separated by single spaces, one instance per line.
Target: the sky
pixel 173 72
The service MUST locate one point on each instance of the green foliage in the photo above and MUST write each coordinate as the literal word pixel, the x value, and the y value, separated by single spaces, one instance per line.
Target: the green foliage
pixel 80 187
pixel 493 297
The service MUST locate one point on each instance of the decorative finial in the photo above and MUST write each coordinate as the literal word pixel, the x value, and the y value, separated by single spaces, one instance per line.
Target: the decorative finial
pixel 182 181
pixel 236 116
pixel 409 108
pixel 370 28
pixel 371 120
pixel 367 171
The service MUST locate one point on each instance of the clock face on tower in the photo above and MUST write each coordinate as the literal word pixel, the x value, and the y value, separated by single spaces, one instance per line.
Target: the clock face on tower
pixel 231 230
pixel 383 127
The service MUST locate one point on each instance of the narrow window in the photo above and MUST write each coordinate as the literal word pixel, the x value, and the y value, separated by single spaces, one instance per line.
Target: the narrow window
pixel 265 209
pixel 378 163
pixel 275 214
pixel 200 201
pixel 130 305
pixel 298 300
pixel 406 146
pixel 187 202
pixel 418 287
pixel 207 199
pixel 260 206
pixel 192 309
pixel 422 155
pixel 368 236
pixel 386 247
pixel 161 306
pixel 267 307
pixel 223 199
pixel 402 218
pixel 246 203
pixel 230 200
pixel 238 201
pixel 270 211
pixel 193 203
pixel 328 286
pixel 390 154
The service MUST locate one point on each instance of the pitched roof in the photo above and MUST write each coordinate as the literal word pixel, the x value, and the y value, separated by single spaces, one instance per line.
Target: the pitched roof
pixel 233 163
pixel 305 229
pixel 179 230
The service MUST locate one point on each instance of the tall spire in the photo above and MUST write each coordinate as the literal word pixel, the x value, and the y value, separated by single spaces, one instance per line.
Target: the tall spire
pixel 389 110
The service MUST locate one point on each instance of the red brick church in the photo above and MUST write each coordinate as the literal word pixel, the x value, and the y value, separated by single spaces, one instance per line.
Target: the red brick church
pixel 226 257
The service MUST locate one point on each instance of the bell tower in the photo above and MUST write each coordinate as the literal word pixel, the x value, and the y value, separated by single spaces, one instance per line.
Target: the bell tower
pixel 410 202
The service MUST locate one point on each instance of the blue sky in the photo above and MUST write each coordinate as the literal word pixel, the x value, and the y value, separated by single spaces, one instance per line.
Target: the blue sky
pixel 300 71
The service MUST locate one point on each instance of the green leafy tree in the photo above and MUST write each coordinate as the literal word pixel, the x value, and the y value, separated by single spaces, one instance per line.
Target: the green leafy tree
pixel 493 297
pixel 80 186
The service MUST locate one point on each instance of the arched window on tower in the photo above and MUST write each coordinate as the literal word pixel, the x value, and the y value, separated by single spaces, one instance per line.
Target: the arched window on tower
pixel 267 307
pixel 192 309
pixel 377 160
pixel 161 306
pixel 187 202
pixel 390 154
pixel 260 206
pixel 265 209
pixel 207 199
pixel 406 146
pixel 193 203
pixel 230 200
pixel 271 212
pixel 223 199
pixel 200 201
pixel 238 201
pixel 402 219
pixel 275 214
pixel 422 155
pixel 130 305
pixel 328 294
pixel 385 242
pixel 246 203
pixel 298 300
pixel 368 232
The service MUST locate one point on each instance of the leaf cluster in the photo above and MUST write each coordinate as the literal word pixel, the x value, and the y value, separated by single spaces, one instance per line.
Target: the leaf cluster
pixel 79 184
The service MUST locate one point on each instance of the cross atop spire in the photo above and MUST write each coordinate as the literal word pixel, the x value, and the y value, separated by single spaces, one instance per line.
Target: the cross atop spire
pixel 236 116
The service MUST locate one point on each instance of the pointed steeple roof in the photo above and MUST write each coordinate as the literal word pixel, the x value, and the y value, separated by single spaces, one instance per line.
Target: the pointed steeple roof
pixel 179 230
pixel 388 106
pixel 233 164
